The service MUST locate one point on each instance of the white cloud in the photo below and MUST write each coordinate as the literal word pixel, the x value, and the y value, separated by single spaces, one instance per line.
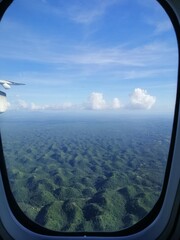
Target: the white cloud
pixel 141 73
pixel 116 104
pixel 56 107
pixel 21 104
pixel 85 17
pixel 163 26
pixel 61 106
pixel 96 101
pixel 28 46
pixel 81 12
pixel 140 99
pixel 160 26
pixel 88 13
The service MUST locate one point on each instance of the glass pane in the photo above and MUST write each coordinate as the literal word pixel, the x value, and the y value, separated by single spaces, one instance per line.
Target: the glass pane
pixel 86 139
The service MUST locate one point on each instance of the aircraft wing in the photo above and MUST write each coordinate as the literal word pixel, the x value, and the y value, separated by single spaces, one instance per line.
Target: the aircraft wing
pixel 14 83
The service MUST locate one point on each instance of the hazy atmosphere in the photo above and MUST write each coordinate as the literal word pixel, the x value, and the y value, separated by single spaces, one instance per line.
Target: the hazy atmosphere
pixel 117 56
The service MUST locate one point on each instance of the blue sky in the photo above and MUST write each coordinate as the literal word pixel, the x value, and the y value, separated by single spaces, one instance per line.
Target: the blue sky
pixel 89 55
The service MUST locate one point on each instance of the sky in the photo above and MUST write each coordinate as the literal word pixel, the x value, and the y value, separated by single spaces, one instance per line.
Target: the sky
pixel 89 55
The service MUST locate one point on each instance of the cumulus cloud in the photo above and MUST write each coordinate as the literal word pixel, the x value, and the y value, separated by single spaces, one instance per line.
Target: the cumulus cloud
pixel 140 99
pixel 96 101
pixel 116 104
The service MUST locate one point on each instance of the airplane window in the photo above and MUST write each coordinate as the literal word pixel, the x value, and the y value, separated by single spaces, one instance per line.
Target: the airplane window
pixel 87 100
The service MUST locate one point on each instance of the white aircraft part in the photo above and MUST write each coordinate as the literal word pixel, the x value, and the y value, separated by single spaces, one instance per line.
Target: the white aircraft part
pixel 6 86
pixel 3 102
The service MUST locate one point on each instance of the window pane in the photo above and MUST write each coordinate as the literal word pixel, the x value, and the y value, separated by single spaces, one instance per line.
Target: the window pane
pixel 86 139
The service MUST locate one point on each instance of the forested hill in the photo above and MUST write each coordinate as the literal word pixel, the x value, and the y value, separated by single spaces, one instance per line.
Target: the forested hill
pixel 86 175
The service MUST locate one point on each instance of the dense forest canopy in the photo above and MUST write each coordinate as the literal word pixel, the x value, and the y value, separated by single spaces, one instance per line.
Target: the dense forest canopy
pixel 80 174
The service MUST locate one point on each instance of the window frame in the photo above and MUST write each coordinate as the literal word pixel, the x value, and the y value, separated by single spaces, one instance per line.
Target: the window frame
pixel 150 227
